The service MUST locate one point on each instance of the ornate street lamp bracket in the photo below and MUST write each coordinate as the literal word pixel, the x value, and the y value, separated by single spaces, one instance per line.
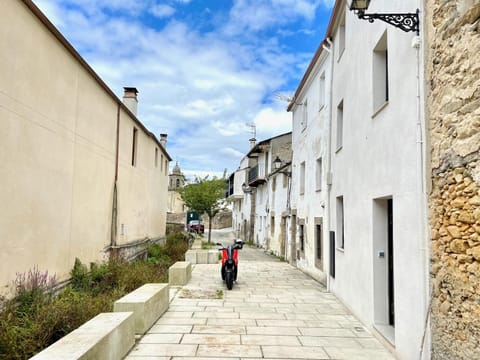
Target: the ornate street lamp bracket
pixel 404 21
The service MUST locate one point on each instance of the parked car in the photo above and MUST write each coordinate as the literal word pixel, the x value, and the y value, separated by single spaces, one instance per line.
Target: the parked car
pixel 195 226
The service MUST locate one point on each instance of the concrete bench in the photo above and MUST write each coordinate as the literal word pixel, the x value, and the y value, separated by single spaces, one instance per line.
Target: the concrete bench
pixel 147 303
pixel 108 336
pixel 202 256
pixel 180 273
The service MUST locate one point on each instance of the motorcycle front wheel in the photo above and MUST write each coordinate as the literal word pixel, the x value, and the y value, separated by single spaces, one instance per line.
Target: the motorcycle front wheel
pixel 229 280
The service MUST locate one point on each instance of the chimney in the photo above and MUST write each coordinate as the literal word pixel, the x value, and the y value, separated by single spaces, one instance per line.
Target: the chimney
pixel 130 99
pixel 163 140
pixel 253 141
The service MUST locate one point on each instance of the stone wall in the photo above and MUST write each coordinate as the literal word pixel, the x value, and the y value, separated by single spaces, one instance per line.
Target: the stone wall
pixel 221 221
pixel 453 110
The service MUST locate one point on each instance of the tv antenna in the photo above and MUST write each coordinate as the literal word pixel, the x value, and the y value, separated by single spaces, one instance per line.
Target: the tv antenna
pixel 285 98
pixel 253 129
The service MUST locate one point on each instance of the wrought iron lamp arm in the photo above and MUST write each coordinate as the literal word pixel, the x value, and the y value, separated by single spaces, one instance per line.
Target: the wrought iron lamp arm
pixel 406 21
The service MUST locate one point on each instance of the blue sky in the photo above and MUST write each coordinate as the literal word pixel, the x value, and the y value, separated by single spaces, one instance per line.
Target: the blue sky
pixel 203 68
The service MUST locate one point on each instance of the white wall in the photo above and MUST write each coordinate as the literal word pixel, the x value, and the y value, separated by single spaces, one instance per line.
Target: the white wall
pixel 380 159
pixel 241 202
pixel 262 205
pixel 309 144
pixel 279 195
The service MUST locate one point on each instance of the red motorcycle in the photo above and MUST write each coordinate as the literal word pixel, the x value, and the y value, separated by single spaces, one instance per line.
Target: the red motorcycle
pixel 230 262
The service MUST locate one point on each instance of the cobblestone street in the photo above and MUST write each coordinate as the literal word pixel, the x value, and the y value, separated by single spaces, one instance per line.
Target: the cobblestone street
pixel 274 311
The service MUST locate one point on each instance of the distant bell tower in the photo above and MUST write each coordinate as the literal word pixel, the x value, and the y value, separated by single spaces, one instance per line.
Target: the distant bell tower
pixel 176 179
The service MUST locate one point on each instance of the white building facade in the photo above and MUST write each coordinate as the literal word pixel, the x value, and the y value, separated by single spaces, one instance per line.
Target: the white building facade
pixel 311 110
pixel 240 201
pixel 260 194
pixel 353 211
pixel 377 222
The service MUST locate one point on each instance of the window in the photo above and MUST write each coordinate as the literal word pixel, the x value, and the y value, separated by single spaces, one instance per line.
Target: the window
pixel 156 157
pixel 178 183
pixel 318 174
pixel 274 186
pixel 134 147
pixel 380 73
pixel 166 167
pixel 304 115
pixel 321 92
pixel 340 125
pixel 341 38
pixel 301 237
pixel 302 178
pixel 272 225
pixel 319 247
pixel 161 162
pixel 340 223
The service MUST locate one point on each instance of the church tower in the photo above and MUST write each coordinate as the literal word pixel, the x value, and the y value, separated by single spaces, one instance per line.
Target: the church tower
pixel 176 179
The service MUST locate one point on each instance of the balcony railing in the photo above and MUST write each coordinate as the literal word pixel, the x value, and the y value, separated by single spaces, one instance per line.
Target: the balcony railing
pixel 256 176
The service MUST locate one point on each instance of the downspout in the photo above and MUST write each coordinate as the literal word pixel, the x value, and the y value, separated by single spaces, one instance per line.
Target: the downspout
pixel 329 150
pixel 422 153
pixel 113 232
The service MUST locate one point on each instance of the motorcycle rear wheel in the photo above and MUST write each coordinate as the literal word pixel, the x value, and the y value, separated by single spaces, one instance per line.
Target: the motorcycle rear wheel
pixel 229 280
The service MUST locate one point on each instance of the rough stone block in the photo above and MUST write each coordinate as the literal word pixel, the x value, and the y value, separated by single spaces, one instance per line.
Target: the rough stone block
pixel 108 336
pixel 179 273
pixel 191 256
pixel 213 256
pixel 195 256
pixel 202 256
pixel 147 303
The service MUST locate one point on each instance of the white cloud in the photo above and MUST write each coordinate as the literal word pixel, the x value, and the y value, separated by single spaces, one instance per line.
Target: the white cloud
pixel 256 15
pixel 200 88
pixel 162 10
pixel 232 152
pixel 51 11
pixel 272 122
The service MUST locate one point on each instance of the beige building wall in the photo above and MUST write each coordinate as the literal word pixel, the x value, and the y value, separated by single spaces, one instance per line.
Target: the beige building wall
pixel 453 72
pixel 58 125
pixel 175 203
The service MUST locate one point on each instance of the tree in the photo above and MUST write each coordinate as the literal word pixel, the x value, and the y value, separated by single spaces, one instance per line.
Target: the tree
pixel 204 196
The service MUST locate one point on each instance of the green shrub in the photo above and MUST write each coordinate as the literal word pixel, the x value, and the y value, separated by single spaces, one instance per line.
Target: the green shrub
pixel 36 317
pixel 79 277
pixel 176 246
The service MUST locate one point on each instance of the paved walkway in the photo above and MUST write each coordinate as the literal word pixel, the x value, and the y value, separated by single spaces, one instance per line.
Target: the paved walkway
pixel 273 312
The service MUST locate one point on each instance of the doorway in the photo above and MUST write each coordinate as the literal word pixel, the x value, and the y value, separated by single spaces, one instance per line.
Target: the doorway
pixel 391 290
pixel 319 243
pixel 293 242
pixel 384 267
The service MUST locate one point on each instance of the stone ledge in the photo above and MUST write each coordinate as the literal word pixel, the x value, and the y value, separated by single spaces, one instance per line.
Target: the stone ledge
pixel 108 336
pixel 180 273
pixel 202 256
pixel 147 303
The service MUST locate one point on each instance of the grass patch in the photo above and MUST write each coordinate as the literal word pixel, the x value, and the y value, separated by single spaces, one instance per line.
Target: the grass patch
pixel 208 245
pixel 37 316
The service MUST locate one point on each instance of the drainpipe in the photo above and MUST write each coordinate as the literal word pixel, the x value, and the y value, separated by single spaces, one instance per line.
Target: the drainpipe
pixel 113 229
pixel 422 191
pixel 329 150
